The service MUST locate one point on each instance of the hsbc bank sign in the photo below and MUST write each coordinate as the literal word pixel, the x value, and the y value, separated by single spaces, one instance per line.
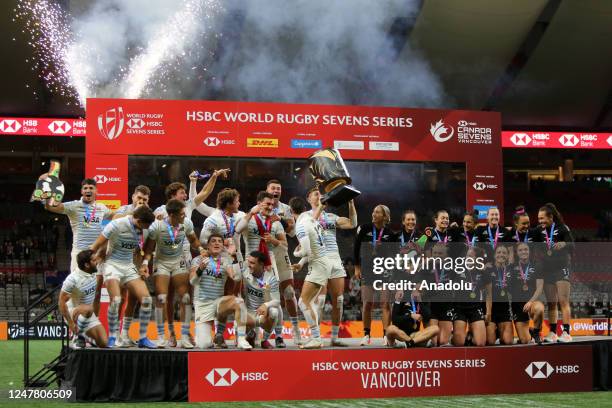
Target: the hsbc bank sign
pixel 543 369
pixel 226 377
pixel 102 179
pixel 214 141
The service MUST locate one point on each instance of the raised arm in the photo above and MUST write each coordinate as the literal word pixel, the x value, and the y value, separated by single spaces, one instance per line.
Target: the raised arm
pixel 351 221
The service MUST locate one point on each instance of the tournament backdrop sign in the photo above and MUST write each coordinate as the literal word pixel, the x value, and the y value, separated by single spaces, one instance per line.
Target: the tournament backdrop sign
pixel 122 127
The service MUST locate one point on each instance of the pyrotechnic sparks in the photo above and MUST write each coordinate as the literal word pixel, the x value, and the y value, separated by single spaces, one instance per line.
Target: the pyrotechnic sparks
pixel 70 63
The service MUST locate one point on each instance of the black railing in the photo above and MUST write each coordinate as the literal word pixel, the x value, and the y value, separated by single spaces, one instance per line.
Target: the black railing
pixel 51 371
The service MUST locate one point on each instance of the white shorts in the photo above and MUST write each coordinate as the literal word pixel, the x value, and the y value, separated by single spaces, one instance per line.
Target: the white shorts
pixel 337 267
pixel 124 273
pixel 206 311
pixel 90 322
pixel 319 271
pixel 283 266
pixel 172 268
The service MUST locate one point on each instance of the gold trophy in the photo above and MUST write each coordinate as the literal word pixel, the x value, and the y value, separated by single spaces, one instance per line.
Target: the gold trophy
pixel 329 172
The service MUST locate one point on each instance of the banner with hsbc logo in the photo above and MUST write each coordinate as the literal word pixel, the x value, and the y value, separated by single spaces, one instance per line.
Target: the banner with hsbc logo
pixel 123 127
pixel 556 140
pixel 384 373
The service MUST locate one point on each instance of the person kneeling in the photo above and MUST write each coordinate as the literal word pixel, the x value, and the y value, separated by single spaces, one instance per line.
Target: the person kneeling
pixel 404 327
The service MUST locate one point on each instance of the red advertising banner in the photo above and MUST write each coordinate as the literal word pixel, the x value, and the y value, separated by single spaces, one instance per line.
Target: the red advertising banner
pixel 111 174
pixel 556 140
pixel 210 128
pixel 42 127
pixel 384 373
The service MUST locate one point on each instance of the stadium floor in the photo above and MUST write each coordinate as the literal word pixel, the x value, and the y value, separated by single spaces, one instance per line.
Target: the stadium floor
pixel 11 377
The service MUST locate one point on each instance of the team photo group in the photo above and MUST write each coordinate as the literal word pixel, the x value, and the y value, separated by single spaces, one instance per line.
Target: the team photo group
pixel 238 268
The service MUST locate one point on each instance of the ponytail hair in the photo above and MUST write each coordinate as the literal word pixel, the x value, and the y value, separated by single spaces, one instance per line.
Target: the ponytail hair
pixel 551 210
pixel 519 211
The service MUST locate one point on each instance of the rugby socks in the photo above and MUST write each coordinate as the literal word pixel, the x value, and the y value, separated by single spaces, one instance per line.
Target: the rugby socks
pixel 366 331
pixel 113 317
pixel 144 316
pixel 316 332
pixel 296 326
pixel 185 328
pixel 220 327
pixel 320 305
pixel 335 331
pixel 159 321
pixel 265 336
pixel 553 327
pixel 125 327
pixel 566 328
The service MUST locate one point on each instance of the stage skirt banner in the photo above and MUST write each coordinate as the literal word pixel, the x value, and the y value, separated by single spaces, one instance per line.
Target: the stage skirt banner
pixel 387 373
pixel 294 131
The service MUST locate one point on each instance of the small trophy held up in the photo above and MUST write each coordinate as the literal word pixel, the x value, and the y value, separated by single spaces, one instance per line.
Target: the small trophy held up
pixel 49 186
pixel 329 172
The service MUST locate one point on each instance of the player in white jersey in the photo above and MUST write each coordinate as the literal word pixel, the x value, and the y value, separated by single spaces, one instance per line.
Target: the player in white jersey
pixel 139 197
pixel 283 263
pixel 223 222
pixel 329 223
pixel 263 234
pixel 261 292
pixel 167 237
pixel 178 191
pixel 312 250
pixel 76 301
pixel 209 274
pixel 86 217
pixel 120 239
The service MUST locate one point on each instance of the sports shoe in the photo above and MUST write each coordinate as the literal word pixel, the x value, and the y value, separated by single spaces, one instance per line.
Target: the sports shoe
pixel 399 344
pixel 266 345
pixel 146 343
pixel 243 344
pixel 78 342
pixel 551 338
pixel 162 343
pixel 536 337
pixel 280 343
pixel 338 343
pixel 111 342
pixel 219 341
pixel 365 341
pixel 313 343
pixel 124 342
pixel 185 343
pixel 250 337
pixel 565 337
pixel 172 340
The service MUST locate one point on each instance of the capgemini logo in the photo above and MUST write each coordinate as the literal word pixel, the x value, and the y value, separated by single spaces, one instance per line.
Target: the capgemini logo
pixel 110 123
pixel 438 129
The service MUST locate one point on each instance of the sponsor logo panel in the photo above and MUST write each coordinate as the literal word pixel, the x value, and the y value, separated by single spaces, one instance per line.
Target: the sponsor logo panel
pixel 306 144
pixel 384 146
pixel 348 145
pixel 262 142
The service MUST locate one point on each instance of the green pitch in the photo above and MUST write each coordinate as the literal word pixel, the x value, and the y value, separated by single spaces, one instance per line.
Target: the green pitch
pixel 11 377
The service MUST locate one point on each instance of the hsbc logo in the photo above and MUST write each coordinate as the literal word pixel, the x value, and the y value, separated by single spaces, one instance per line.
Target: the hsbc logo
pixel 440 133
pixel 10 125
pixel 111 122
pixel 212 141
pixel 609 140
pixel 101 179
pixel 520 139
pixel 135 123
pixel 479 186
pixel 569 140
pixel 59 127
pixel 539 369
pixel 222 377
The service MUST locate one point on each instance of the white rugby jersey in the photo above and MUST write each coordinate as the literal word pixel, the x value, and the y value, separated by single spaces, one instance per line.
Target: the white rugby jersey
pixel 219 223
pixel 259 291
pixel 328 222
pixel 307 227
pixel 168 246
pixel 189 207
pixel 123 239
pixel 85 221
pixel 81 286
pixel 282 210
pixel 211 285
pixel 252 236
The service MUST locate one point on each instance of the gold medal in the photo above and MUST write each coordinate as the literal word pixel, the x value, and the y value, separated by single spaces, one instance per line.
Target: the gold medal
pixel 86 224
pixel 549 252
pixel 502 293
pixel 141 252
pixel 525 287
pixel 174 246
pixel 472 295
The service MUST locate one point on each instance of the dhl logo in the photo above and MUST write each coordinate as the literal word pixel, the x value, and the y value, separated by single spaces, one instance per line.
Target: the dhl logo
pixel 255 142
pixel 111 204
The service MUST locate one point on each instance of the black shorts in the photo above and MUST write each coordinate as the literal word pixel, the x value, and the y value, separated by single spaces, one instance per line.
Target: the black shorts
pixel 408 328
pixel 442 311
pixel 369 278
pixel 557 274
pixel 469 312
pixel 518 314
pixel 501 312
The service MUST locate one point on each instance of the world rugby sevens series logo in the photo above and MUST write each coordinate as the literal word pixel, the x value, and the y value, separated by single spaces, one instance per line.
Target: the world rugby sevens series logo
pixel 110 123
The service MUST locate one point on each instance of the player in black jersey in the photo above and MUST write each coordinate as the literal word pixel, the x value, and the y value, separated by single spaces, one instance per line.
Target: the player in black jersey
pixel 409 233
pixel 492 234
pixel 467 234
pixel 556 263
pixel 468 306
pixel 369 243
pixel 521 230
pixel 526 286
pixel 404 327
pixel 499 314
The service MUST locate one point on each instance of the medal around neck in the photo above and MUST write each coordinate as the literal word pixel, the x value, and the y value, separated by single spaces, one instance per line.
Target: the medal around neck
pixel 49 186
pixel 329 172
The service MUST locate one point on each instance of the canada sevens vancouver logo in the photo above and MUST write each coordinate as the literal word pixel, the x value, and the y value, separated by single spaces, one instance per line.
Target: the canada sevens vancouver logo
pixel 110 123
